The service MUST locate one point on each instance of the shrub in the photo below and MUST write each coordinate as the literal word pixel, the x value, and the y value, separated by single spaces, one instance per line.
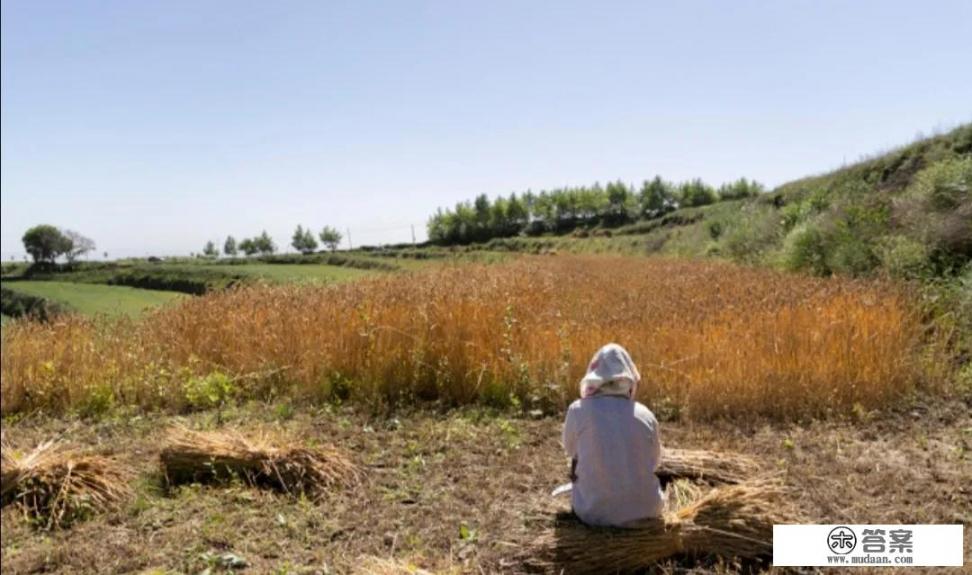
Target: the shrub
pixel 805 248
pixel 937 210
pixel 903 256
pixel 751 235
pixel 209 391
pixel 16 304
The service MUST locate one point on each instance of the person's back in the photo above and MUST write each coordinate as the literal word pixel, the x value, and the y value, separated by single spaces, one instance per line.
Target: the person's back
pixel 614 445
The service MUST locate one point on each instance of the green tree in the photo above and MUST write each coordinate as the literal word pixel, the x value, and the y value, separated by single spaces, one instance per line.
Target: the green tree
pixel 499 223
pixel 265 244
pixel 741 188
pixel 542 214
pixel 438 227
pixel 464 223
pixel 331 238
pixel 45 243
pixel 303 240
pixel 249 246
pixel 483 210
pixel 591 203
pixel 619 199
pixel 656 198
pixel 229 246
pixel 695 193
pixel 209 250
pixel 517 213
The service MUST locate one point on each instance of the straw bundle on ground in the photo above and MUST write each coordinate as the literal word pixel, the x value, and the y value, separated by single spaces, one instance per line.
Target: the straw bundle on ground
pixel 712 467
pixel 196 456
pixel 8 472
pixel 55 487
pixel 732 522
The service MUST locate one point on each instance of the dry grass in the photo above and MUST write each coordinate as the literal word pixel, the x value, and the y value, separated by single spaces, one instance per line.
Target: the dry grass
pixel 733 523
pixel 430 472
pixel 711 340
pixel 283 464
pixel 371 565
pixel 705 466
pixel 55 487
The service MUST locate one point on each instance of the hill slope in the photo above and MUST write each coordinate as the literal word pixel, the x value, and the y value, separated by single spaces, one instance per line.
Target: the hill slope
pixel 907 212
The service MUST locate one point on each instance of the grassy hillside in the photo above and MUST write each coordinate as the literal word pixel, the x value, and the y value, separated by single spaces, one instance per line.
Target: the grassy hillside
pixel 906 213
pixel 92 299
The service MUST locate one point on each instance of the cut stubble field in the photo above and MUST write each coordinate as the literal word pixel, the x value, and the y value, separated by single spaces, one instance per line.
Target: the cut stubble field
pixel 461 492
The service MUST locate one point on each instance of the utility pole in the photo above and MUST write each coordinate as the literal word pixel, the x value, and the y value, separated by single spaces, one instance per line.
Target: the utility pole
pixel 350 245
pixel 413 235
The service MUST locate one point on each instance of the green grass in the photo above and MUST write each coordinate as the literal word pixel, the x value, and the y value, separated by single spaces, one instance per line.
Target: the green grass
pixel 289 272
pixel 94 299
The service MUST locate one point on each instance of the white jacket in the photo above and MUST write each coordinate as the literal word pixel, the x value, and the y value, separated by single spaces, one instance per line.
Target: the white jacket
pixel 615 442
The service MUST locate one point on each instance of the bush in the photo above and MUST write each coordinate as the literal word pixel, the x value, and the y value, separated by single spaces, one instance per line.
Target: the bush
pixel 16 304
pixel 748 238
pixel 851 254
pixel 805 248
pixel 903 257
pixel 209 391
pixel 937 210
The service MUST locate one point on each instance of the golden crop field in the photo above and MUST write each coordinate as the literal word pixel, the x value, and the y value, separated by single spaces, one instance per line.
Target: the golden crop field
pixel 711 339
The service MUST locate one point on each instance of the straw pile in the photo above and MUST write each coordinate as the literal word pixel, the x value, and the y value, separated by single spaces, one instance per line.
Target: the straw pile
pixel 54 486
pixel 195 456
pixel 712 467
pixel 730 522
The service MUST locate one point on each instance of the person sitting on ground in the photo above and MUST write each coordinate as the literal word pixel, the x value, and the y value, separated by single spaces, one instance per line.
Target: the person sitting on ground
pixel 613 444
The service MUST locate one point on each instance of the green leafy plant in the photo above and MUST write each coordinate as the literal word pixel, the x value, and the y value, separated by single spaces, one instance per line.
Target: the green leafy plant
pixel 210 391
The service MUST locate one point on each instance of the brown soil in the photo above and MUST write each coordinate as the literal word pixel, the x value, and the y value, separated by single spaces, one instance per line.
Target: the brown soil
pixel 429 474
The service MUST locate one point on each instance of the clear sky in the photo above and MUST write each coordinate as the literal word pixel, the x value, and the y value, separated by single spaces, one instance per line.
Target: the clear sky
pixel 154 126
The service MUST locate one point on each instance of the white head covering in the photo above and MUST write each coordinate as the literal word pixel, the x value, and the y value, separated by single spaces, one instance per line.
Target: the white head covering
pixel 611 372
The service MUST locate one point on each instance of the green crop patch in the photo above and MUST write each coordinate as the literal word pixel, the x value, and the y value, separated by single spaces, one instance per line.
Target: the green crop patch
pixel 95 299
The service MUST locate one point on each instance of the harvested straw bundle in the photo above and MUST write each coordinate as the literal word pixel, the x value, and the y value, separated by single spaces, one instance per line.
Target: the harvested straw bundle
pixel 8 472
pixel 712 467
pixel 730 522
pixel 218 456
pixel 55 487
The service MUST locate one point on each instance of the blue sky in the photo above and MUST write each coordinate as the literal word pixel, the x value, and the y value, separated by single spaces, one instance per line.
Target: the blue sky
pixel 154 126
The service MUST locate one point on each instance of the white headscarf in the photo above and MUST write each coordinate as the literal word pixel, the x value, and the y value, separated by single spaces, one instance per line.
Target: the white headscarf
pixel 611 372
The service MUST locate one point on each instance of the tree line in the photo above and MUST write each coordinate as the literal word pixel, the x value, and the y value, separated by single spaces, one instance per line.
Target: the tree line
pixel 303 240
pixel 563 209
